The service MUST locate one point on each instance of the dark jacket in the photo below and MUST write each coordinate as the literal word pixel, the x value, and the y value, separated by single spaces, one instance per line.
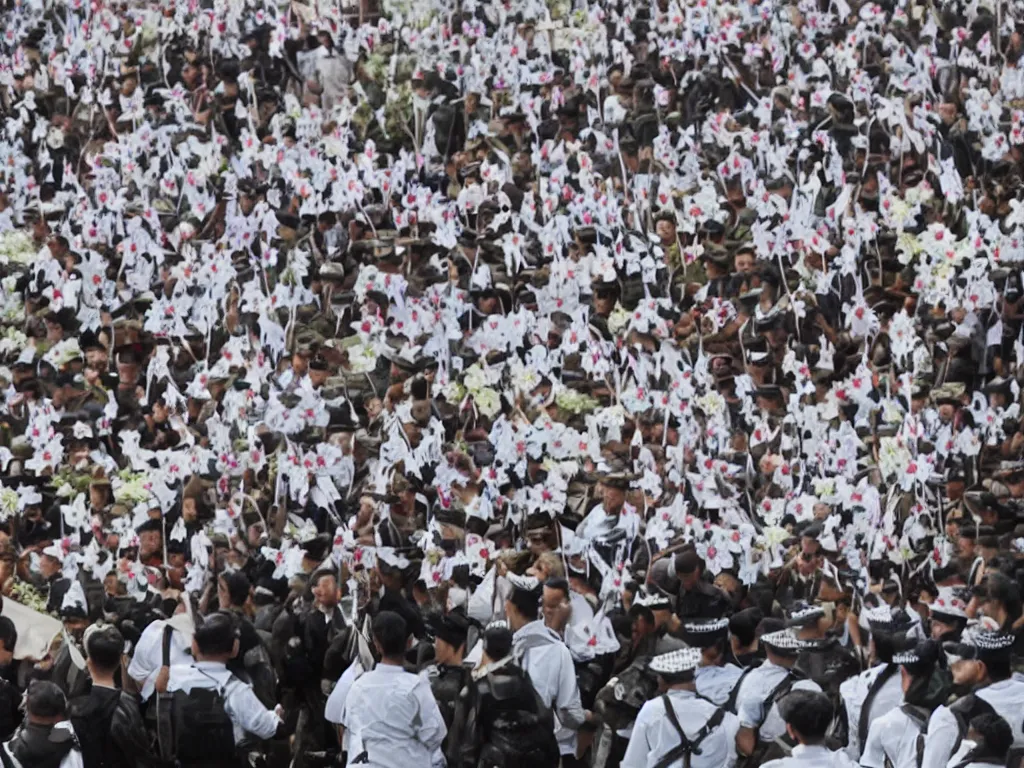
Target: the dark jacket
pixel 110 728
pixel 39 746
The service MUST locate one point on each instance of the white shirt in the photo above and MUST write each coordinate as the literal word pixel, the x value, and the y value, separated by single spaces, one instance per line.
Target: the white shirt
pixel 716 683
pixel 807 756
pixel 149 656
pixel 247 713
pixel 854 691
pixel 393 717
pixel 892 738
pixel 72 759
pixel 336 701
pixel 549 665
pixel 754 691
pixel 654 736
pixel 1005 697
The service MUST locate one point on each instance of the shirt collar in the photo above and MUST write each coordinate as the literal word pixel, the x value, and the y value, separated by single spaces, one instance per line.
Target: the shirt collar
pixel 389 669
pixel 812 751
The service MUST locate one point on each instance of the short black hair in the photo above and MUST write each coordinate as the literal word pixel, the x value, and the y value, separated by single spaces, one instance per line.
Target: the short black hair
pixel 8 633
pixel 687 562
pixel 497 643
pixel 217 634
pixel 238 586
pixel 526 601
pixel 104 647
pixel 562 585
pixel 321 574
pixel 45 699
pixel 391 633
pixel 743 625
pixel 994 731
pixel 809 712
pixel 1004 590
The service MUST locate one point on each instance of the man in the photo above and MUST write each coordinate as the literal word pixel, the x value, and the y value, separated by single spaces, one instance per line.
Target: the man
pixel 697 599
pixel 896 737
pixel 390 715
pixel 148 659
pixel 546 659
pixel 46 739
pixel 51 565
pixel 991 737
pixel 214 711
pixel 715 679
pixel 448 674
pixel 876 691
pixel 759 692
pixel 807 715
pixel 679 725
pixel 107 720
pixel 980 662
pixel 10 697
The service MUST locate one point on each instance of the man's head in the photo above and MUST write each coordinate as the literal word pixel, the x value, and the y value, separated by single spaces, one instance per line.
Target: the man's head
pixel 216 639
pixel 807 715
pixel 103 649
pixel 980 657
pixel 233 589
pixel 450 632
pixel 325 589
pixel 45 703
pixel 555 604
pixel 8 639
pixel 521 606
pixel 689 569
pixel 390 635
pixel 991 733
pixel 49 566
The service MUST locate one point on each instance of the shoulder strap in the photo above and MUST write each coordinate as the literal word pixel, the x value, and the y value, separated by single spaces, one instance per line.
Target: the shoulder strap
pixel 730 703
pixel 777 693
pixel 168 632
pixel 686 748
pixel 864 722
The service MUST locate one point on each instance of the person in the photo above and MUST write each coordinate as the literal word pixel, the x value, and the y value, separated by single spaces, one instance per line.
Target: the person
pixel 715 679
pixel 390 714
pixel 148 661
pixel 981 664
pixel 896 736
pixel 213 712
pixel 107 720
pixel 545 658
pixel 757 699
pixel 10 697
pixel 877 690
pixel 679 725
pixel 989 742
pixel 807 715
pixel 499 718
pixel 448 675
pixel 47 738
pixel 697 599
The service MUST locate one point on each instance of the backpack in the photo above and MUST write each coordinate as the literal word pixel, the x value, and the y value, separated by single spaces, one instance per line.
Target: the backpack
pixel 522 737
pixel 686 748
pixel 203 733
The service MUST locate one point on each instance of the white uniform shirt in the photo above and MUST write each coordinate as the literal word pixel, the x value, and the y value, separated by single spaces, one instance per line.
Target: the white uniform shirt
pixel 716 683
pixel 654 736
pixel 149 656
pixel 1005 697
pixel 393 717
pixel 247 713
pixel 806 756
pixel 553 675
pixel 892 737
pixel 754 691
pixel 854 691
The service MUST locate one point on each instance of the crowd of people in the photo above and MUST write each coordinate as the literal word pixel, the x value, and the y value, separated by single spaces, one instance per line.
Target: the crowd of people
pixel 482 384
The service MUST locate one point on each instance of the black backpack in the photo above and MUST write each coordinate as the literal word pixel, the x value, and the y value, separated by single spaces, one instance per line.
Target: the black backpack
pixel 92 726
pixel 203 732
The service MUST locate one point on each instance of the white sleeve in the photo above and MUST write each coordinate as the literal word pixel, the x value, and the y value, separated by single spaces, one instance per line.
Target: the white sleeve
pixel 140 667
pixel 72 759
pixel 873 754
pixel 943 730
pixel 248 711
pixel 749 707
pixel 638 747
pixel 567 699
pixel 432 730
pixel 336 701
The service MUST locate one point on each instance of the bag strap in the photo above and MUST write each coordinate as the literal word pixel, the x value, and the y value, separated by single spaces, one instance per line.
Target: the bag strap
pixel 778 692
pixel 168 633
pixel 864 722
pixel 686 748
pixel 730 703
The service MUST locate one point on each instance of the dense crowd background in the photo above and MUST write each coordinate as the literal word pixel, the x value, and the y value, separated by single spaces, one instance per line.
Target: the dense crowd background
pixel 497 384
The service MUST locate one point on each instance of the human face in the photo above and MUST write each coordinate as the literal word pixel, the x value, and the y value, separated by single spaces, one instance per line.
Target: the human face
pixel 150 543
pixel 556 609
pixel 966 672
pixel 445 652
pixel 744 263
pixel 326 592
pixel 689 581
pixel 940 628
pixel 613 499
pixel 49 566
